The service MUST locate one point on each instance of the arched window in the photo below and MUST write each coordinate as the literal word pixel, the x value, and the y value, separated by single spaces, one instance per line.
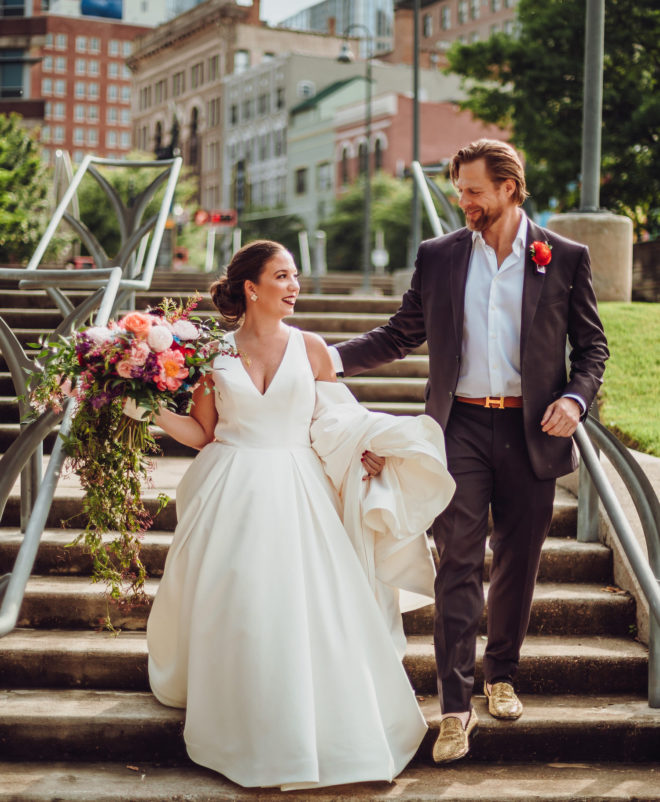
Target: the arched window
pixel 193 152
pixel 378 154
pixel 158 139
pixel 345 177
pixel 363 157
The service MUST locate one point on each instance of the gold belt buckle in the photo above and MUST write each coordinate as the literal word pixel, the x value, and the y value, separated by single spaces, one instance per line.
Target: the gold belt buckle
pixel 495 402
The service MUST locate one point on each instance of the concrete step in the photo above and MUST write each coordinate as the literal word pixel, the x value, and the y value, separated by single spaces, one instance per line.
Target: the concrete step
pixel 380 390
pixel 562 559
pixel 66 505
pixel 550 664
pixel 73 602
pixel 134 727
pixel 465 781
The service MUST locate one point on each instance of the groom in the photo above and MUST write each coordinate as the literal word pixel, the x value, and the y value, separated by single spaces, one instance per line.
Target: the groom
pixel 495 301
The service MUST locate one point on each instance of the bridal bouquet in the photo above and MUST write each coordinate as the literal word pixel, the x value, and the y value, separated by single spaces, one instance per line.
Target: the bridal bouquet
pixel 155 358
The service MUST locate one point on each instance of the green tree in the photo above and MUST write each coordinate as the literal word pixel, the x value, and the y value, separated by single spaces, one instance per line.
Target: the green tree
pixel 391 200
pixel 282 228
pixel 23 191
pixel 533 84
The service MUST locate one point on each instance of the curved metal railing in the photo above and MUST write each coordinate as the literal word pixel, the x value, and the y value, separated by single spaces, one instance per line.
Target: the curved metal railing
pixel 113 286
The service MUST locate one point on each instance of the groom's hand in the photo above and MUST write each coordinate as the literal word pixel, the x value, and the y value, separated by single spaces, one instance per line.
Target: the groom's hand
pixel 561 418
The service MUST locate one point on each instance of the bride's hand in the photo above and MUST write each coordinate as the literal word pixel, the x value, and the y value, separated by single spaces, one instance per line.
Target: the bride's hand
pixel 372 463
pixel 133 410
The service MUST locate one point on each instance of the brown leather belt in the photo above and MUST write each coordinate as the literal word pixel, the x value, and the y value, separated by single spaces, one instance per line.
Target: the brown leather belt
pixel 494 401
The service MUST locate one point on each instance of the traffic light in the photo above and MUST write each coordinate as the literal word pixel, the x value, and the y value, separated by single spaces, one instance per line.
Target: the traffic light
pixel 226 217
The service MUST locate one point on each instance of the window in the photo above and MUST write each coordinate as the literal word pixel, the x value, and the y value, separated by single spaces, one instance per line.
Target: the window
pixel 323 176
pixel 264 141
pixel 12 8
pixel 78 136
pixel 160 91
pixel 94 44
pixel 113 47
pixel 81 66
pixel 509 27
pixel 213 112
pixel 345 177
pixel 428 25
pixel 49 40
pixel 61 41
pixel 126 73
pixel 111 139
pixel 45 133
pixel 46 87
pixel 113 69
pixel 111 115
pixel 48 110
pixel 241 61
pixel 495 5
pixel 60 87
pixel 125 116
pixel 462 12
pixel 301 181
pixel 197 75
pixel 279 142
pixel 60 64
pixel 475 9
pixel 48 64
pixel 93 114
pixel 279 97
pixel 305 89
pixel 126 94
pixel 474 36
pixel 267 56
pixel 93 137
pixel 11 73
pixel 79 89
pixel 247 109
pixel 81 44
pixel 79 113
pixel 262 104
pixel 93 91
pixel 125 140
pixel 126 49
pixel 113 93
pixel 214 68
pixel 58 135
pixel 233 114
pixel 178 84
pixel 509 3
pixel 363 157
pixel 93 67
pixel 378 154
pixel 58 111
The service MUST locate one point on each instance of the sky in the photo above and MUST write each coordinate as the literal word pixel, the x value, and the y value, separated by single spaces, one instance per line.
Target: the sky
pixel 274 11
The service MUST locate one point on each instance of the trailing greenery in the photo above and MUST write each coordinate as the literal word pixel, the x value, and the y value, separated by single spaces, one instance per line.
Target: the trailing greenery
pixel 533 85
pixel 23 191
pixel 629 397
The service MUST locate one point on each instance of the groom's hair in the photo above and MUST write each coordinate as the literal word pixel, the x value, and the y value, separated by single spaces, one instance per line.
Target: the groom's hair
pixel 502 163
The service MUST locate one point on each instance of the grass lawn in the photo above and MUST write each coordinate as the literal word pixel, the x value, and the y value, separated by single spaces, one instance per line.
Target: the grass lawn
pixel 630 396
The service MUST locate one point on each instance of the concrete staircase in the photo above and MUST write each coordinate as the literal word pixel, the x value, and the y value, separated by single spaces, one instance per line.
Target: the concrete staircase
pixel 77 721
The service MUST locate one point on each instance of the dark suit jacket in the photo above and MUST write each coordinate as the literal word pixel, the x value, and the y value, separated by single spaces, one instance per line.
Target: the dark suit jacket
pixel 558 303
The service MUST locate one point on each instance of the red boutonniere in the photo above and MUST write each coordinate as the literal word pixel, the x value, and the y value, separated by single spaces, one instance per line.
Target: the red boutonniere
pixel 541 255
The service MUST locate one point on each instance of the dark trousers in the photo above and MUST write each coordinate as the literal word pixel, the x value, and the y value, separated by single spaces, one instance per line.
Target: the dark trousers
pixel 487 456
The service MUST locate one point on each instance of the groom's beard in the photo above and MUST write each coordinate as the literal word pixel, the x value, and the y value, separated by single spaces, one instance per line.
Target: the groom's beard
pixel 482 220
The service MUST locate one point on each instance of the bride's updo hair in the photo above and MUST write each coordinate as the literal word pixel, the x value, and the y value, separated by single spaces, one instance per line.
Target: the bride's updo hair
pixel 247 264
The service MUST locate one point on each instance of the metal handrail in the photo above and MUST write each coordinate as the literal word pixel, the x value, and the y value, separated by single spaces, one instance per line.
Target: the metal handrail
pixel 647 571
pixel 113 285
pixel 440 225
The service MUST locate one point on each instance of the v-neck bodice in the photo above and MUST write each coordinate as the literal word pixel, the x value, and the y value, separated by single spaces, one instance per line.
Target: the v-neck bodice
pixel 278 418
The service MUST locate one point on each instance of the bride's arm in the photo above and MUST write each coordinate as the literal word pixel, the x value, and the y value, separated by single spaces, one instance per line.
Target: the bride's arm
pixel 319 358
pixel 194 430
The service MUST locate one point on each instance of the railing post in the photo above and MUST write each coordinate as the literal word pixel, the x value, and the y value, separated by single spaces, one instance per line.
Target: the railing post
pixel 587 506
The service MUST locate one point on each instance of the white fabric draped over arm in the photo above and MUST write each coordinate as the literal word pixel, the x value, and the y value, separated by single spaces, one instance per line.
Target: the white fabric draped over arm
pixel 386 517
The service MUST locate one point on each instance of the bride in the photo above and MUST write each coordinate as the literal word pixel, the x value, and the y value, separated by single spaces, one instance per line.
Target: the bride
pixel 274 623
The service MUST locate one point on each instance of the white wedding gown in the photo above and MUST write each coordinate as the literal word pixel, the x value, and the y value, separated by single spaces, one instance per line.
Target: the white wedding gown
pixel 265 626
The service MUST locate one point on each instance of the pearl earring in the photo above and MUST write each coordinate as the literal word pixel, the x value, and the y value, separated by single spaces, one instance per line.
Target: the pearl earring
pixel 253 297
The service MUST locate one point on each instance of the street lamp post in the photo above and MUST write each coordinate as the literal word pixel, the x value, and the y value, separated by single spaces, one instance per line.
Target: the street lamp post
pixel 346 56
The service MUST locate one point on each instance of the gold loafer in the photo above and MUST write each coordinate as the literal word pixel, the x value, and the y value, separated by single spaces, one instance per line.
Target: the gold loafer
pixel 502 701
pixel 453 742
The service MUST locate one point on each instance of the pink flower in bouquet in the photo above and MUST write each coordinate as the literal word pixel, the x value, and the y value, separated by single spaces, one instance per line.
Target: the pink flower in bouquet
pixel 124 369
pixel 159 338
pixel 139 353
pixel 172 370
pixel 185 330
pixel 137 323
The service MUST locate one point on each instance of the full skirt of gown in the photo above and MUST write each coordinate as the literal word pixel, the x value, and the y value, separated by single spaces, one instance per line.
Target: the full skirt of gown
pixel 264 626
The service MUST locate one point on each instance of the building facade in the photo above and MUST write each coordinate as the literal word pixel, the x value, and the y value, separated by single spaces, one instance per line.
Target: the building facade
pixel 68 75
pixel 180 102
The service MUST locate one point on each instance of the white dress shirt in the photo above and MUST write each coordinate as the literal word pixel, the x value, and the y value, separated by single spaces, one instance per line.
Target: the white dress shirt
pixel 490 363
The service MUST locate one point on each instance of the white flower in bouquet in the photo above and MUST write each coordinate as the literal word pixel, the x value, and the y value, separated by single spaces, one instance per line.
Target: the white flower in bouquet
pixel 159 338
pixel 185 330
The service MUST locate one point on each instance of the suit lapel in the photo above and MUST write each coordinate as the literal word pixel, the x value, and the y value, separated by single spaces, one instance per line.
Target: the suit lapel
pixel 532 285
pixel 460 262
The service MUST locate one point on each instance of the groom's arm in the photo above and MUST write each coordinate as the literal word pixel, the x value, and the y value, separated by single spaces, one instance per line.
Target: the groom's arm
pixel 403 332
